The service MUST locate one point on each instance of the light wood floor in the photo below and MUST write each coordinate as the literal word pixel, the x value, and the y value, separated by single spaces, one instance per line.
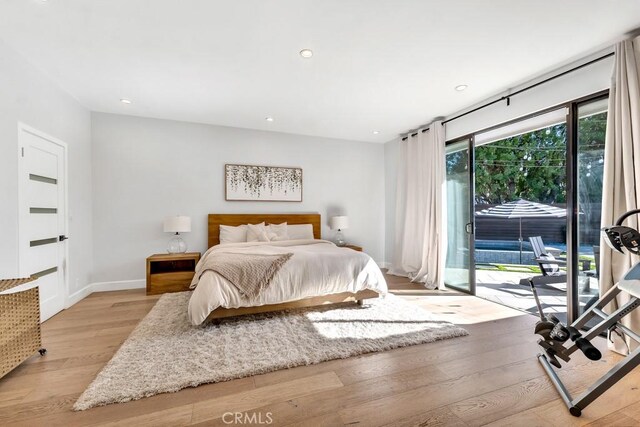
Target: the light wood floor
pixel 489 377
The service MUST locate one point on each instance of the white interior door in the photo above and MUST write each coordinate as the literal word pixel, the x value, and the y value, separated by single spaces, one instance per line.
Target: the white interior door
pixel 43 219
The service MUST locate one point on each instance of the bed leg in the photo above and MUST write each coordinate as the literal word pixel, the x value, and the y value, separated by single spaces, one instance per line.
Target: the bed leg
pixel 360 302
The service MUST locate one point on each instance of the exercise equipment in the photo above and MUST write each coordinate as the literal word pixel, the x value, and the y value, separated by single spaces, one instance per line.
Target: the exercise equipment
pixel 620 236
pixel 560 341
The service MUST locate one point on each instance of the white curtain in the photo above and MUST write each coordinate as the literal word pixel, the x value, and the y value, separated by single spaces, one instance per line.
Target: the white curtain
pixel 622 161
pixel 420 236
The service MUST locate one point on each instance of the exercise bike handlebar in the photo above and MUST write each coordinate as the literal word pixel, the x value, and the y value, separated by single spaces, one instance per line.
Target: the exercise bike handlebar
pixel 620 237
pixel 627 215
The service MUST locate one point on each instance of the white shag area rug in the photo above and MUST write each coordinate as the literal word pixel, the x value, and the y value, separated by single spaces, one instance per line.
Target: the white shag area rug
pixel 165 353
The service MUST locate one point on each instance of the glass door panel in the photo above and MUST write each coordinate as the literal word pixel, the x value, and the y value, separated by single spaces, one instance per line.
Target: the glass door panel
pixel 520 212
pixel 459 267
pixel 592 124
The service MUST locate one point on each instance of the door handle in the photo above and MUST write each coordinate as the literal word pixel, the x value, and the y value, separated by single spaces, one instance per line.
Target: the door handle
pixel 62 238
pixel 468 228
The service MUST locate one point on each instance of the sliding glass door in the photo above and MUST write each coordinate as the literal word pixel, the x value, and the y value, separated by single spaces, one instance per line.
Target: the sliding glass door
pixel 459 268
pixel 591 129
pixel 524 192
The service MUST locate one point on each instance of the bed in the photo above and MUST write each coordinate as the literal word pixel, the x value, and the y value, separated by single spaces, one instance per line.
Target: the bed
pixel 318 272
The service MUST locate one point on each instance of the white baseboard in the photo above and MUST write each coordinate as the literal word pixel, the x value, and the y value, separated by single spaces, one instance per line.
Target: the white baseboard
pixel 122 285
pixel 78 296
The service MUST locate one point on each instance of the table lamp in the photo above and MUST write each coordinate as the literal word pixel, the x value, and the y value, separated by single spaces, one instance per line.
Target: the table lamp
pixel 339 223
pixel 177 224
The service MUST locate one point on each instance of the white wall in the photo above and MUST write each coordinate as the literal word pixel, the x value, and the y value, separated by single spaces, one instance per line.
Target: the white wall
pixel 28 96
pixel 391 154
pixel 146 169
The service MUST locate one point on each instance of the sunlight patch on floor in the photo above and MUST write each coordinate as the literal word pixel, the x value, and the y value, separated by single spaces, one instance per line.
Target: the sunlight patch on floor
pixel 449 307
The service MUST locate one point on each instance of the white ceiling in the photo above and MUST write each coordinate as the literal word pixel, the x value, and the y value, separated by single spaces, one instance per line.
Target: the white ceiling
pixel 378 65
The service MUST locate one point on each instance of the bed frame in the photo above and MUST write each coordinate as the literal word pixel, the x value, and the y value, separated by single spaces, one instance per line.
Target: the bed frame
pixel 216 220
pixel 234 220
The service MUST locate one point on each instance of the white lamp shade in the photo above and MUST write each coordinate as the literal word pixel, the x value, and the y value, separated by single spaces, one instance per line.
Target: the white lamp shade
pixel 177 224
pixel 339 222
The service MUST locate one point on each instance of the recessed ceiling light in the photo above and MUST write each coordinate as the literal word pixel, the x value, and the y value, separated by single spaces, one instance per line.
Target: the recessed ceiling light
pixel 375 132
pixel 269 119
pixel 460 88
pixel 125 101
pixel 306 53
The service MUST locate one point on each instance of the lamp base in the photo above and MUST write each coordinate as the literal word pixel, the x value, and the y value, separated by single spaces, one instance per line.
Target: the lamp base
pixel 177 245
pixel 340 239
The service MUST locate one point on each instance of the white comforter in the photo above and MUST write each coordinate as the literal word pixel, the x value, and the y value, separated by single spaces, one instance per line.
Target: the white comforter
pixel 317 267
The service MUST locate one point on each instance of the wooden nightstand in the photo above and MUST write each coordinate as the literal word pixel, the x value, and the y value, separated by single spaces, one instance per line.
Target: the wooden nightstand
pixel 170 272
pixel 354 247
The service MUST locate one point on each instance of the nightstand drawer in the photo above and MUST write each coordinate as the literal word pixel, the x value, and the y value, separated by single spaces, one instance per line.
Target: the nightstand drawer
pixel 182 265
pixel 169 282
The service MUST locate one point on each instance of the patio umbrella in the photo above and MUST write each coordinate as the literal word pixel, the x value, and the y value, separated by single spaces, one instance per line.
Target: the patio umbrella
pixel 523 209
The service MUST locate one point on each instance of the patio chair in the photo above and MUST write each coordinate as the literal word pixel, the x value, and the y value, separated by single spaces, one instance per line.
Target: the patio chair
pixel 595 273
pixel 586 288
pixel 549 265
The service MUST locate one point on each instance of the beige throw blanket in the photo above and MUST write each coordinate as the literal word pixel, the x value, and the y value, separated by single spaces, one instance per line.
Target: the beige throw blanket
pixel 250 273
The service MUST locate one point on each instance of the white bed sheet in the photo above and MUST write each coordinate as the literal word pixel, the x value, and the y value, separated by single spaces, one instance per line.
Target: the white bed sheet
pixel 317 267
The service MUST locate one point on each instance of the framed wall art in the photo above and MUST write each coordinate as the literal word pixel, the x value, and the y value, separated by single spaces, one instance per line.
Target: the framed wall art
pixel 263 183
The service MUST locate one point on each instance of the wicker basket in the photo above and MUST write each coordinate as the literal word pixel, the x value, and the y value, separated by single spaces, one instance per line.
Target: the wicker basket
pixel 19 324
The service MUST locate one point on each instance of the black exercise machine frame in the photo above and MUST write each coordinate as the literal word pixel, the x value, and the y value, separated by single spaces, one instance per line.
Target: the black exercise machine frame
pixel 618 237
pixel 576 405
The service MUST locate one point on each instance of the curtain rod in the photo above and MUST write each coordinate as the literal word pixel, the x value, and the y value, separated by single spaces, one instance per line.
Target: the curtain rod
pixel 518 92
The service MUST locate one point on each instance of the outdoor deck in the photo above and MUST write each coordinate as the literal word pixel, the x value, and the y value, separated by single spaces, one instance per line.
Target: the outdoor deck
pixel 504 288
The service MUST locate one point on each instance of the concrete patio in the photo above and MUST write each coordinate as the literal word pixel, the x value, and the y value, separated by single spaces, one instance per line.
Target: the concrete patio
pixel 504 288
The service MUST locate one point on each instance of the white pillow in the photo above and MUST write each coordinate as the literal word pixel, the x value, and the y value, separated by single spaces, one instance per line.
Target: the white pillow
pixel 300 231
pixel 259 233
pixel 230 234
pixel 280 230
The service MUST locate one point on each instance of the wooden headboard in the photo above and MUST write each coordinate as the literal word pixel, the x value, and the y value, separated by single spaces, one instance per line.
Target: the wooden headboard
pixel 215 220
